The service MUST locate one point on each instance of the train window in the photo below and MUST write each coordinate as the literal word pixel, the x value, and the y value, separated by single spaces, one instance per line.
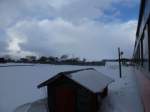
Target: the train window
pixel 141 43
pixel 146 49
pixel 149 25
pixel 138 55
pixel 148 29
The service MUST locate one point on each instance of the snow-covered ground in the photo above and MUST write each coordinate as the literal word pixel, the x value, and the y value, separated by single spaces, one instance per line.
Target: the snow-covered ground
pixel 123 94
pixel 18 86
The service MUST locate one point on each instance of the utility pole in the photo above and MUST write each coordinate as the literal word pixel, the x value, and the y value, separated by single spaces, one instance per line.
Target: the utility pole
pixel 119 60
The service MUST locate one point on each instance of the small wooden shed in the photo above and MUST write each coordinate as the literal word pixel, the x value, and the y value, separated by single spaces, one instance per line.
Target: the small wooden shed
pixel 76 91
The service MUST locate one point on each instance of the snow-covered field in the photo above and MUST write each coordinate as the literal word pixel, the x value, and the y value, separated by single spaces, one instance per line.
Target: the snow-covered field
pixel 18 85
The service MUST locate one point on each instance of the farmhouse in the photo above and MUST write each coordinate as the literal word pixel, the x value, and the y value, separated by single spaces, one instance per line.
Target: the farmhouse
pixel 76 91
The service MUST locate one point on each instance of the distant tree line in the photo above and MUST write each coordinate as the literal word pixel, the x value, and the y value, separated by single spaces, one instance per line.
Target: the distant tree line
pixel 63 60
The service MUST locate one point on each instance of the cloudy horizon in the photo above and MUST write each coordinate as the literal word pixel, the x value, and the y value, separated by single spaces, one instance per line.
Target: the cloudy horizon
pixel 91 29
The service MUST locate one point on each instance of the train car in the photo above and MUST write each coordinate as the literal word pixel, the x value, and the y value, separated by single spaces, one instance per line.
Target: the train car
pixel 141 53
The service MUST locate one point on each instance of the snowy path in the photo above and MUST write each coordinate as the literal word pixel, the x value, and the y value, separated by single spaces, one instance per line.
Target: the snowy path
pixel 123 95
pixel 23 108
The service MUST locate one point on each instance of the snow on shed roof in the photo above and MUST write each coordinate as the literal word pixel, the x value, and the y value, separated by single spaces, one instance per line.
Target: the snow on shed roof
pixel 89 78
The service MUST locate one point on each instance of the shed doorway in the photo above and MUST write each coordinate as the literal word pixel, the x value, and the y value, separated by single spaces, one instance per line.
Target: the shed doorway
pixel 64 100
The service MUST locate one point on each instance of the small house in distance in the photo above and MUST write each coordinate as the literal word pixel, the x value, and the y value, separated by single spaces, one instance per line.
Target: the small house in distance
pixel 76 91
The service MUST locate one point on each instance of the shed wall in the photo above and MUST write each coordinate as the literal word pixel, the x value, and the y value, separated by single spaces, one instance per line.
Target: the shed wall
pixel 83 97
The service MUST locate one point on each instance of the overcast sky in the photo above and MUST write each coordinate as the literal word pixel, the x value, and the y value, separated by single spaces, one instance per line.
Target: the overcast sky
pixel 91 29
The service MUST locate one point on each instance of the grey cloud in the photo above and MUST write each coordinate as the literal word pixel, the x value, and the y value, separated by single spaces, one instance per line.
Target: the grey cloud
pixel 55 27
pixel 91 40
pixel 3 43
pixel 12 11
pixel 3 46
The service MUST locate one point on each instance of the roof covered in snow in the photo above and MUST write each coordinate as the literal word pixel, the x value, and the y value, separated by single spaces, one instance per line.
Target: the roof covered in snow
pixel 88 78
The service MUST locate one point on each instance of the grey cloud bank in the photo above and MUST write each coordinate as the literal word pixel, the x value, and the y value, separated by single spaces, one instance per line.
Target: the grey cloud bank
pixel 55 27
pixel 92 40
